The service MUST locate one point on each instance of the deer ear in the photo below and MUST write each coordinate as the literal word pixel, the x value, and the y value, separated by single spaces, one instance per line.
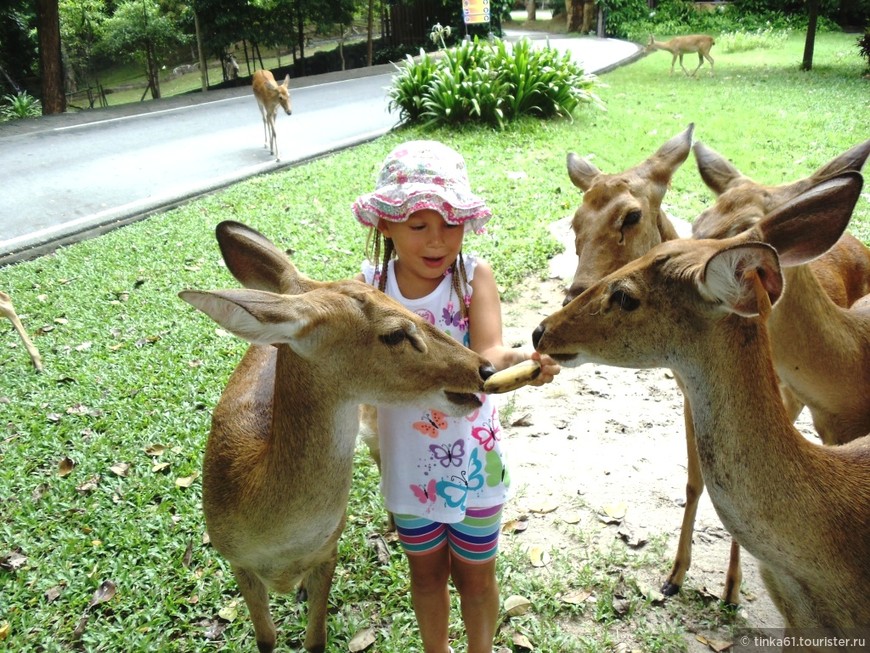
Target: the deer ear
pixel 581 172
pixel 256 262
pixel 808 225
pixel 261 318
pixel 716 171
pixel 670 156
pixel 729 278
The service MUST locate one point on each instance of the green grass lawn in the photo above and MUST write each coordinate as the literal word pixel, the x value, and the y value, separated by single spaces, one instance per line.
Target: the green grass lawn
pixel 100 455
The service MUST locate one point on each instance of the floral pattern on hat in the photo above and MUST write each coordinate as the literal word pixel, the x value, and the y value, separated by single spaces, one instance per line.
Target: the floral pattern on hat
pixel 420 175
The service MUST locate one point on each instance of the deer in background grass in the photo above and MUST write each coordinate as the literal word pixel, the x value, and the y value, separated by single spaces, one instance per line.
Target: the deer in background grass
pixel 278 462
pixel 700 307
pixel 7 310
pixel 680 45
pixel 270 95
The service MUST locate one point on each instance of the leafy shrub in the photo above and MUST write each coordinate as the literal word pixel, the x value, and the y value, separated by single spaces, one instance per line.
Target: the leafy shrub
pixel 22 105
pixel 757 39
pixel 864 47
pixel 489 82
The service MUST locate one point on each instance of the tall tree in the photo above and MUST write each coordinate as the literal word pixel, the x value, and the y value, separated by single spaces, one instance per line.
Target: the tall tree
pixel 809 44
pixel 50 63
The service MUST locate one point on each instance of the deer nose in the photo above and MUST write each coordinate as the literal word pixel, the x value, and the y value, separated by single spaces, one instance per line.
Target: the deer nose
pixel 536 335
pixel 573 291
pixel 486 371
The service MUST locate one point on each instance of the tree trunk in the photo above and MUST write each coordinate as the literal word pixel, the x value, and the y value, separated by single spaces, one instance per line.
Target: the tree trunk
pixel 531 10
pixel 588 16
pixel 574 15
pixel 809 44
pixel 370 37
pixel 50 64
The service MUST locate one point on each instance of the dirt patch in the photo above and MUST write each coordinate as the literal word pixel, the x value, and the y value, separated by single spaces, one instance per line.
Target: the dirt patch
pixel 600 437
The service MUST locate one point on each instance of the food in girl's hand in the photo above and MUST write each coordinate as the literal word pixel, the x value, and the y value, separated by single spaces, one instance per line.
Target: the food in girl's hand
pixel 512 377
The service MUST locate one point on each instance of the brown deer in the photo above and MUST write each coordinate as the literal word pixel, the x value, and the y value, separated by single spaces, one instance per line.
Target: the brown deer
pixel 278 462
pixel 599 230
pixel 680 45
pixel 7 310
pixel 270 95
pixel 619 220
pixel 818 342
pixel 699 307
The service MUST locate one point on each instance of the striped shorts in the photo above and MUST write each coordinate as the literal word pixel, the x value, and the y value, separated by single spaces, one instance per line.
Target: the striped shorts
pixel 474 539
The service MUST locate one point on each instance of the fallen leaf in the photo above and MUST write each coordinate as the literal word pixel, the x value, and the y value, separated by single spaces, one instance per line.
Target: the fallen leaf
pixel 155 449
pixel 522 641
pixel 631 539
pixel 375 541
pixel 188 555
pixel 572 517
pixel 515 525
pixel 120 469
pixel 523 420
pixel 159 467
pixel 4 630
pixel 12 561
pixel 516 605
pixel 362 640
pixel 65 467
pixel 544 506
pixel 714 644
pixel 612 514
pixel 538 557
pixel 577 597
pixel 186 481
pixel 223 334
pixel 105 592
pixel 229 612
pixel 213 628
pixel 52 594
pixel 83 346
pixel 651 594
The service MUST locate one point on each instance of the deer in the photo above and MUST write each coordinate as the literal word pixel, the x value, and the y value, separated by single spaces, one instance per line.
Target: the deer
pixel 620 219
pixel 606 237
pixel 680 45
pixel 278 461
pixel 270 95
pixel 818 341
pixel 7 310
pixel 701 307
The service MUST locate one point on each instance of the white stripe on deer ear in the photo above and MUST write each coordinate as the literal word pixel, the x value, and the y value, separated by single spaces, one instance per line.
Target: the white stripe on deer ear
pixel 726 281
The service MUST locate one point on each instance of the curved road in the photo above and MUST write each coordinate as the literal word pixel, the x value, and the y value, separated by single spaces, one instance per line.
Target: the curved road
pixel 78 175
pixel 66 177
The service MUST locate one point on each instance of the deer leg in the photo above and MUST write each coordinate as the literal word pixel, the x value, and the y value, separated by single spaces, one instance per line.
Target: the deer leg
pixel 317 584
pixel 683 67
pixel 673 61
pixel 734 576
pixel 694 489
pixel 257 599
pixel 700 63
pixel 8 311
pixel 710 59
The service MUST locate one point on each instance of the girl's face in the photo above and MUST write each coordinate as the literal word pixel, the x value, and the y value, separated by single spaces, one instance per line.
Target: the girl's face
pixel 426 246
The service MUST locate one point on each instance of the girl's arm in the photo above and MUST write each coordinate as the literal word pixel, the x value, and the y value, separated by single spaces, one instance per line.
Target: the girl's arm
pixel 485 328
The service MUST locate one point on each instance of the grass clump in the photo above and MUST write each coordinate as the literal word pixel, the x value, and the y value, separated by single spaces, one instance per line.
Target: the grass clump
pixel 761 38
pixel 490 82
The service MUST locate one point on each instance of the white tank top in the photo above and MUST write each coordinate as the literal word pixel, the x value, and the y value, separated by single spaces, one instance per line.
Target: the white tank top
pixel 433 465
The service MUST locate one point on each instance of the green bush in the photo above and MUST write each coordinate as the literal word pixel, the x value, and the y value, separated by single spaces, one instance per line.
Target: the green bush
pixel 22 105
pixel 864 47
pixel 490 82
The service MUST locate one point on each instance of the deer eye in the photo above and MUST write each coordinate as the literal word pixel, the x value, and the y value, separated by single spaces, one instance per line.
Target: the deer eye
pixel 393 338
pixel 625 301
pixel 632 218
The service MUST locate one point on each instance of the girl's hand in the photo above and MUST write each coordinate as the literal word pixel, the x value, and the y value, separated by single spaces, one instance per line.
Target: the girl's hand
pixel 549 368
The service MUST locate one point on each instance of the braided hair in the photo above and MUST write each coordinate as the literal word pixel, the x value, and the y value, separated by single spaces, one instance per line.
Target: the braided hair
pixel 380 251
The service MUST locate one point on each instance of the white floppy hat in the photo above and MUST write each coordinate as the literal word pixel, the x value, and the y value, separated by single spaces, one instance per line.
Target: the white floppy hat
pixel 421 175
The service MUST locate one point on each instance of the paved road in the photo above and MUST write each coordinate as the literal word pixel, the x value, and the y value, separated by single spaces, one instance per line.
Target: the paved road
pixel 77 175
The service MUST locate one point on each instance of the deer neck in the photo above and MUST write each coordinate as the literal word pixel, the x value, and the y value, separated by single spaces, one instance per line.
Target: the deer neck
pixel 806 324
pixel 746 443
pixel 311 426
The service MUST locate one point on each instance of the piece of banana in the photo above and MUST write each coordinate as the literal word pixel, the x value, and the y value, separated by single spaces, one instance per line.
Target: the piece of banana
pixel 513 377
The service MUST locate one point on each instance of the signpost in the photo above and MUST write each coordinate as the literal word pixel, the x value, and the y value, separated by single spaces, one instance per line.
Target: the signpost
pixel 475 11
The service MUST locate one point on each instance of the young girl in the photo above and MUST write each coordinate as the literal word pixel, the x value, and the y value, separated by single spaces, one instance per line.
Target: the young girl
pixel 444 479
